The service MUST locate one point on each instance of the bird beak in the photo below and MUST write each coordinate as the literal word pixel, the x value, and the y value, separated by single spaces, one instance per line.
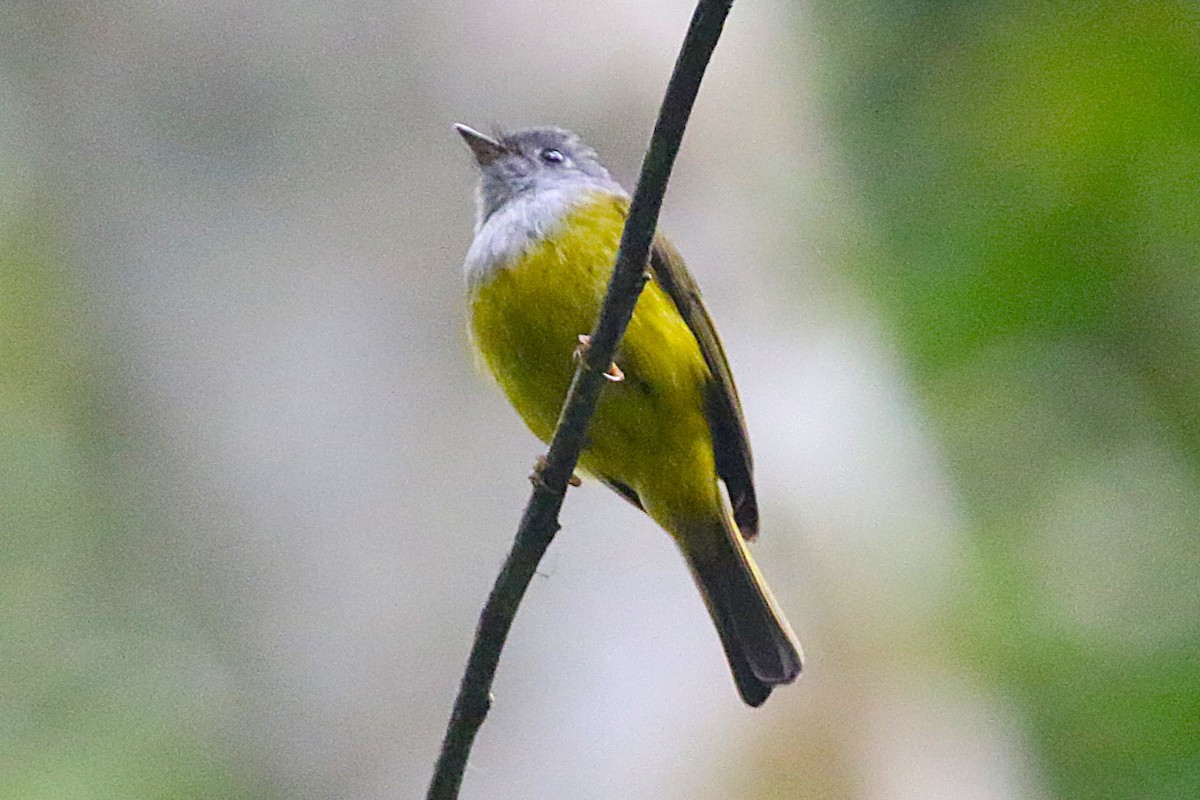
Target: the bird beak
pixel 485 148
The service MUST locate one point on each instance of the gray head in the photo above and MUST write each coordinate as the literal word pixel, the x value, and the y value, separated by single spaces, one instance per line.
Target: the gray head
pixel 536 159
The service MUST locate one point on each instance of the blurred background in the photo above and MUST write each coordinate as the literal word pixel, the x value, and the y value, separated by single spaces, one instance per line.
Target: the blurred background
pixel 253 493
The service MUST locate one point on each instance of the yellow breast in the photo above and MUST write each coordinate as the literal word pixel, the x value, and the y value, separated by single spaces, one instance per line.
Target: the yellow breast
pixel 525 321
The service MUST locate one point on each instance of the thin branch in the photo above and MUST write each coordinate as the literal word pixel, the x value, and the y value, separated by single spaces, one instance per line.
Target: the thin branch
pixel 539 523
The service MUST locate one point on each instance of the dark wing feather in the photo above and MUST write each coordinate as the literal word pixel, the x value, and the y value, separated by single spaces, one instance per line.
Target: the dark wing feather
pixel 731 443
pixel 626 491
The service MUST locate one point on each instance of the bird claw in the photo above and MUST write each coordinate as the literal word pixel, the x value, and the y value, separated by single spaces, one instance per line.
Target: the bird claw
pixel 539 466
pixel 581 350
pixel 613 373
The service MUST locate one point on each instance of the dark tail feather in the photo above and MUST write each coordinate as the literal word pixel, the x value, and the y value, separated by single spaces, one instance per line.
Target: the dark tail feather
pixel 759 644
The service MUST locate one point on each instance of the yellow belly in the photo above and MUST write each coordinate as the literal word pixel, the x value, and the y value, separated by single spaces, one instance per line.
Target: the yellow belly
pixel 650 431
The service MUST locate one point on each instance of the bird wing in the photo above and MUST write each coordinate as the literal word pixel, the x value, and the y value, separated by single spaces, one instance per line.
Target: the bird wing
pixel 731 443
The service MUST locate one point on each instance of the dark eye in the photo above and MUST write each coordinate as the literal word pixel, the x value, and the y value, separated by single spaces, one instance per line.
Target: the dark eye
pixel 552 156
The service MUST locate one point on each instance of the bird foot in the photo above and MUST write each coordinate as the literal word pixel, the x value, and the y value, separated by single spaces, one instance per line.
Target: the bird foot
pixel 613 373
pixel 539 466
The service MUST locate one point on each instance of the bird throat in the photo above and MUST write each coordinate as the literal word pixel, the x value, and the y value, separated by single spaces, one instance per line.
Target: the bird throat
pixel 536 219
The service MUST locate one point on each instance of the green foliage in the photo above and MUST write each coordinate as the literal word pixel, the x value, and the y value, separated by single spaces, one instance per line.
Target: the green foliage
pixel 1035 172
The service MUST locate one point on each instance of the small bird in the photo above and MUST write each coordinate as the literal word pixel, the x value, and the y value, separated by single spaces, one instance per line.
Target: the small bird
pixel 668 425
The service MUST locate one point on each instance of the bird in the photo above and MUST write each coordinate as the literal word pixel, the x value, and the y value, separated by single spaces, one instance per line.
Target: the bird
pixel 668 430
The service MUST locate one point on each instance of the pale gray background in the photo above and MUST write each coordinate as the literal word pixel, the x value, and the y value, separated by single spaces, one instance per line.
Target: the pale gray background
pixel 266 210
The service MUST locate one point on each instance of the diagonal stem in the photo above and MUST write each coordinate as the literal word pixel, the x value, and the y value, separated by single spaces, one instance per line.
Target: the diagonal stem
pixel 539 523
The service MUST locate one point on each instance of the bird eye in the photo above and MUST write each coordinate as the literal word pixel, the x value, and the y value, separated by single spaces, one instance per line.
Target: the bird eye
pixel 552 156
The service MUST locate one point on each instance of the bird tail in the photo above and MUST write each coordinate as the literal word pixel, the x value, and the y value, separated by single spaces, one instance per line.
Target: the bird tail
pixel 759 644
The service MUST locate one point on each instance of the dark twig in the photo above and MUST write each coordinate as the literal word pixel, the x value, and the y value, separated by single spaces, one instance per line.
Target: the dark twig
pixel 540 520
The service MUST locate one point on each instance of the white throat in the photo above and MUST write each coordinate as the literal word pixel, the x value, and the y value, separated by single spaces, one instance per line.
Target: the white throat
pixel 523 220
